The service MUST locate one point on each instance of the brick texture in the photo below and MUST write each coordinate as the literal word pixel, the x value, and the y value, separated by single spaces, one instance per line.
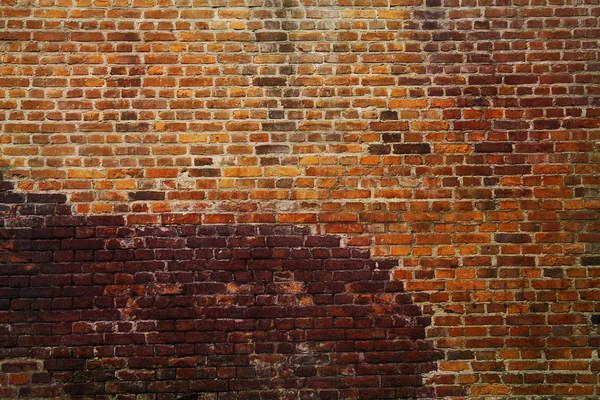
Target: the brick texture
pixel 283 199
pixel 93 307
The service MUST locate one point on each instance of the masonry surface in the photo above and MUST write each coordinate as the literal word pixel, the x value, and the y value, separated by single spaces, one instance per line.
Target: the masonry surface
pixel 337 199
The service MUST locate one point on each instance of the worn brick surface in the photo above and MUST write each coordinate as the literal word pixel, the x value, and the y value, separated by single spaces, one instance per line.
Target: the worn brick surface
pixel 169 162
pixel 91 307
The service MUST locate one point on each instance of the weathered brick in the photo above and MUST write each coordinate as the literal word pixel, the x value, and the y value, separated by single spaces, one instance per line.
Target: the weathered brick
pixel 416 148
pixel 379 149
pixel 512 238
pixel 146 195
pixel 453 149
pixel 493 147
pixel 271 36
pixel 270 149
pixel 269 81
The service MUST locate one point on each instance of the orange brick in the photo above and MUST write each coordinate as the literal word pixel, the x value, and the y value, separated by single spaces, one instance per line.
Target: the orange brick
pixel 242 171
pixel 162 172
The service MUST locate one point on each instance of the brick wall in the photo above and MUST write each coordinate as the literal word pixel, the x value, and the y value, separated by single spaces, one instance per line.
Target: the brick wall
pixel 205 199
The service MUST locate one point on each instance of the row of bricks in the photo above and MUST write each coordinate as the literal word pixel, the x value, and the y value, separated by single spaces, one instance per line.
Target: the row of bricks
pixel 282 150
pixel 185 247
pixel 263 10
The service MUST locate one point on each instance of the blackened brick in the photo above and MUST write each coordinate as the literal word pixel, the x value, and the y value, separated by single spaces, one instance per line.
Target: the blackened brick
pixel 270 81
pixel 380 149
pixel 204 172
pixel 413 148
pixel 270 149
pixel 64 364
pixel 279 126
pixel 391 137
pixel 147 195
pixel 8 197
pixel 512 238
pixel 46 198
pixel 493 147
pixel 271 36
pixel 590 260
pixel 106 220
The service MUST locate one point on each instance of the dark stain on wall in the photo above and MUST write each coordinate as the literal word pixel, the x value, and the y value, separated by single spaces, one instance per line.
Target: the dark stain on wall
pixel 91 307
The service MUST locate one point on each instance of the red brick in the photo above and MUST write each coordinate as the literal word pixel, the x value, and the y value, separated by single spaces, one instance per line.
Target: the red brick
pixel 397 184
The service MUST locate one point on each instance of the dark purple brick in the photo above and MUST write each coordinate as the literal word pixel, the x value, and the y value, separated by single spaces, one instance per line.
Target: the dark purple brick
pixel 272 149
pixel 271 36
pixel 63 364
pixel 269 81
pixel 590 260
pixel 147 195
pixel 412 148
pixel 380 149
pixel 493 147
pixel 9 197
pixel 46 198
pixel 211 242
pixel 512 238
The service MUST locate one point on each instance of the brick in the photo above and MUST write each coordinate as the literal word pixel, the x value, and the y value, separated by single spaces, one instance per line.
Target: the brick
pixel 271 36
pixel 512 238
pixel 269 81
pixel 352 201
pixel 146 195
pixel 63 364
pixel 279 126
pixel 493 147
pixel 269 149
pixel 590 260
pixel 418 148
pixel 17 367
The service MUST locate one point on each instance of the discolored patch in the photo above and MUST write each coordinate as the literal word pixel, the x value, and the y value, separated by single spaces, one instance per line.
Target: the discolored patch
pixel 258 310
